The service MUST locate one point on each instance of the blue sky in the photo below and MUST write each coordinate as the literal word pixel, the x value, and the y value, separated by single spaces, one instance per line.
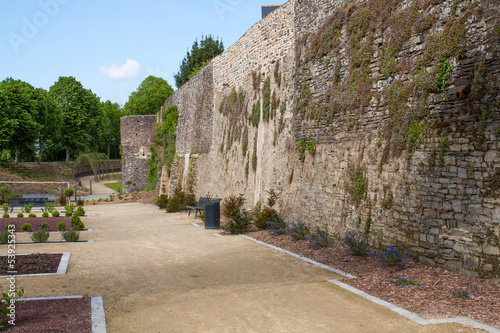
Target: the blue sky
pixel 110 46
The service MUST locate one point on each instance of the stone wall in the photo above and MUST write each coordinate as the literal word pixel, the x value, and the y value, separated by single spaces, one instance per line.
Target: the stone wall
pixel 380 118
pixel 136 133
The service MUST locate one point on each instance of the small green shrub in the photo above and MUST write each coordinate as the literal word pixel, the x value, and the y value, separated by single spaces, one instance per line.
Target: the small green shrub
pixel 162 201
pixel 27 209
pixel 50 206
pixel 68 192
pixel 80 202
pixel 61 226
pixel 68 213
pixel 6 215
pixel 76 223
pixel 4 234
pixel 6 207
pixel 299 230
pixel 5 304
pixel 20 215
pixel 267 214
pixel 45 214
pixel 27 227
pixel 40 236
pixel 31 215
pixel 44 226
pixel 55 213
pixel 238 224
pixel 79 211
pixel 71 235
pixel 69 208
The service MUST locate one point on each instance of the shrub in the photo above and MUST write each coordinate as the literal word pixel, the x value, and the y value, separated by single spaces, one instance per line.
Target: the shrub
pixel 267 214
pixel 50 206
pixel 356 245
pixel 20 215
pixel 230 204
pixel 180 200
pixel 320 239
pixel 68 213
pixel 276 227
pixel 45 214
pixel 27 227
pixel 44 226
pixel 76 223
pixel 40 236
pixel 55 213
pixel 239 223
pixel 80 202
pixel 27 209
pixel 6 207
pixel 7 299
pixel 31 215
pixel 62 201
pixel 4 234
pixel 162 201
pixel 69 208
pixel 79 211
pixel 6 215
pixel 71 235
pixel 392 256
pixel 299 230
pixel 61 226
pixel 68 192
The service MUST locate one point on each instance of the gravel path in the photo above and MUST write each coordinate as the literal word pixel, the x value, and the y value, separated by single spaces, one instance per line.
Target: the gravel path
pixel 158 273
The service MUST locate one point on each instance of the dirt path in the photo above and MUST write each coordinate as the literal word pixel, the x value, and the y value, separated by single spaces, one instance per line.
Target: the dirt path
pixel 98 188
pixel 159 273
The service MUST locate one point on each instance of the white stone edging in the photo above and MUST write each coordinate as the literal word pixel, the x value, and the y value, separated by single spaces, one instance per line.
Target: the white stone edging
pixel 61 270
pixel 405 313
pixel 96 304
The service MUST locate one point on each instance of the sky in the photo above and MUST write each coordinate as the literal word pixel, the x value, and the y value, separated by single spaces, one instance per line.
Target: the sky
pixel 111 46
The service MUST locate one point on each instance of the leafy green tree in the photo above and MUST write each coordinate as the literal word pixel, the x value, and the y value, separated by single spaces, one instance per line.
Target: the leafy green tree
pixel 21 126
pixel 149 96
pixel 111 127
pixel 8 126
pixel 49 119
pixel 201 53
pixel 81 114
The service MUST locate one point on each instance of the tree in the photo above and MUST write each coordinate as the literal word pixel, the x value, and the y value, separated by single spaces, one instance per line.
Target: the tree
pixel 149 97
pixel 200 54
pixel 81 114
pixel 111 127
pixel 21 126
pixel 49 119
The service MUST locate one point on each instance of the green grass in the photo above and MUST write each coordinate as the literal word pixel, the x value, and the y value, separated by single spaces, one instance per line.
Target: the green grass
pixel 118 187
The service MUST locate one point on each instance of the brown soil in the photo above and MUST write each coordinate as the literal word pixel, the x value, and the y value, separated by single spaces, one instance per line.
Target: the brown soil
pixel 35 222
pixel 145 197
pixel 433 300
pixel 36 263
pixel 62 315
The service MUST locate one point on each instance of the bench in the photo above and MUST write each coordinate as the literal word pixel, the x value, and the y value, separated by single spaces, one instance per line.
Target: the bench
pixel 201 205
pixel 37 200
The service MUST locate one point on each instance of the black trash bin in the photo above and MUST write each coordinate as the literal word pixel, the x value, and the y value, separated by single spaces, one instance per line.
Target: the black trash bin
pixel 212 215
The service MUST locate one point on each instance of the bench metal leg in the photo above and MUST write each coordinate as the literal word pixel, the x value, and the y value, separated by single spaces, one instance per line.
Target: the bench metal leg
pixel 195 213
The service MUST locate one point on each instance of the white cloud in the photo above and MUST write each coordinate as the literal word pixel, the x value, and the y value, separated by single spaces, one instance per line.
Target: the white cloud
pixel 129 70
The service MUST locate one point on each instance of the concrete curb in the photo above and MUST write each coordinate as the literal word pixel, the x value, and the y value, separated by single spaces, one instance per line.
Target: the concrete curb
pixel 405 313
pixel 96 304
pixel 61 270
pixel 55 242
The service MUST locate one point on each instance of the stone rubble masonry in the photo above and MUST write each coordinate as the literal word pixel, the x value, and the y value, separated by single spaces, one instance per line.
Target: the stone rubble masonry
pixel 447 215
pixel 136 133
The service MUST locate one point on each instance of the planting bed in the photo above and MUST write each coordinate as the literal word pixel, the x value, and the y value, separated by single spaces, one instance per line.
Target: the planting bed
pixel 35 222
pixel 36 263
pixel 55 315
pixel 435 292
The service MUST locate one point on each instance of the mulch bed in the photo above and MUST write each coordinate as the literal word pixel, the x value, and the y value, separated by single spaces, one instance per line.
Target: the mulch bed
pixel 36 263
pixel 35 222
pixel 435 299
pixel 65 315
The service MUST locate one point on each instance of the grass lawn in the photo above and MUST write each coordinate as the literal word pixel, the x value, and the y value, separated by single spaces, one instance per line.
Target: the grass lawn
pixel 118 187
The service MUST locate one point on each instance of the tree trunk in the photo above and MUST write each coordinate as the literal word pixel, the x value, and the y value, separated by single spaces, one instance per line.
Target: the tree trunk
pixel 109 150
pixel 67 155
pixel 40 152
pixel 16 157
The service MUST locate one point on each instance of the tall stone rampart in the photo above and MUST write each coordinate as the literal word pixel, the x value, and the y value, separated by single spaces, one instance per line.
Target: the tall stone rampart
pixel 380 117
pixel 136 134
